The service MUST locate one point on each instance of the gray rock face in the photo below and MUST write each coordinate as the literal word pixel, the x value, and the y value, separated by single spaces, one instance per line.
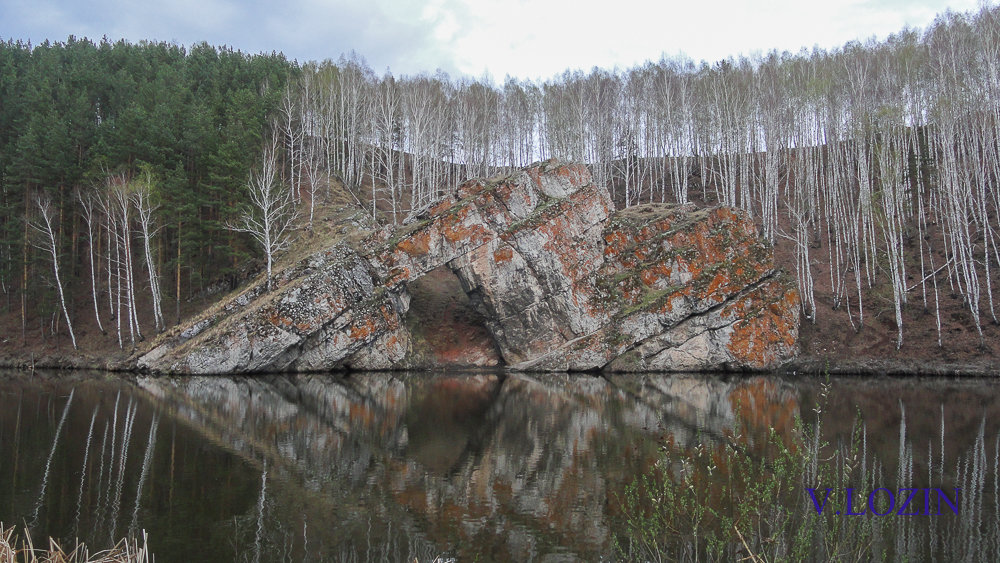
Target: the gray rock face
pixel 562 281
pixel 338 314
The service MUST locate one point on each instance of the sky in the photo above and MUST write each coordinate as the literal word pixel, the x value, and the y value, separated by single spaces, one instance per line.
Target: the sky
pixel 527 39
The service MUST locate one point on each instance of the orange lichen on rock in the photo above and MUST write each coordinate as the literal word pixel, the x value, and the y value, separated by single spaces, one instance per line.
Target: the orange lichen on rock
pixel 766 326
pixel 468 188
pixel 561 281
pixel 362 330
pixel 503 254
pixel 279 320
pixel 397 275
pixel 615 242
pixel 389 316
pixel 713 290
pixel 417 244
pixel 657 272
pixel 442 206
pixel 456 229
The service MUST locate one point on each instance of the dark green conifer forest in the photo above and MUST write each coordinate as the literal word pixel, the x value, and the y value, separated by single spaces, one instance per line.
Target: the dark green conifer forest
pixel 78 116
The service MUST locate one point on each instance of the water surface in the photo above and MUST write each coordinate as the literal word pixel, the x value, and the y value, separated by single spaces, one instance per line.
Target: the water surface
pixel 379 466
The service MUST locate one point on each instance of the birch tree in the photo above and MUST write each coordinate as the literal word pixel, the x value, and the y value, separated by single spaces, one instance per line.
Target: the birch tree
pixel 89 207
pixel 118 209
pixel 142 193
pixel 270 214
pixel 387 131
pixel 45 226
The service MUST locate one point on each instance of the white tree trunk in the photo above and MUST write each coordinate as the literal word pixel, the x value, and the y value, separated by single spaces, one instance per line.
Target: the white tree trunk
pixel 45 227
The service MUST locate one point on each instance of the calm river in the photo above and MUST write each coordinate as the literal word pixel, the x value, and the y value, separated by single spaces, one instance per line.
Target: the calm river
pixel 392 467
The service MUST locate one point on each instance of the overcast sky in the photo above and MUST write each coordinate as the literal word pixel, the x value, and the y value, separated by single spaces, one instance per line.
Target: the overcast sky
pixel 523 38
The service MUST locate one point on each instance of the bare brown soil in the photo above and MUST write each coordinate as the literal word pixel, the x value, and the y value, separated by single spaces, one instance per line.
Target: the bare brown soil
pixel 45 342
pixel 831 344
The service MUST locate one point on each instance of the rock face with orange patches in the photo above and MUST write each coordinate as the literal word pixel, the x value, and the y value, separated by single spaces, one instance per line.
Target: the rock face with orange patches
pixel 686 289
pixel 560 280
pixel 329 311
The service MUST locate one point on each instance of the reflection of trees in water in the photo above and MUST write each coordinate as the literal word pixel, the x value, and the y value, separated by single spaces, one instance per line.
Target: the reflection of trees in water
pixel 48 462
pixel 94 471
pixel 756 480
pixel 83 470
pixel 324 441
pixel 386 465
pixel 146 461
pixel 98 503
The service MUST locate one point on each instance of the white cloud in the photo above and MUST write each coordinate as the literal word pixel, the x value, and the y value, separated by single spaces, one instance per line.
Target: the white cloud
pixel 540 39
pixel 524 38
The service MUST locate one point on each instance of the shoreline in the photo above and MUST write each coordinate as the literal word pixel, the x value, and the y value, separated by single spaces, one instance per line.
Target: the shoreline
pixel 799 366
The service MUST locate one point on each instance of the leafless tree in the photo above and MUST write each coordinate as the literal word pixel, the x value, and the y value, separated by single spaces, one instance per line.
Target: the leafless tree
pixel 142 196
pixel 45 226
pixel 89 208
pixel 270 214
pixel 876 157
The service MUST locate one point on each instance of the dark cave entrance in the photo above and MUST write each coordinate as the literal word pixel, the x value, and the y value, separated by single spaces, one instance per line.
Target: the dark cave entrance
pixel 445 325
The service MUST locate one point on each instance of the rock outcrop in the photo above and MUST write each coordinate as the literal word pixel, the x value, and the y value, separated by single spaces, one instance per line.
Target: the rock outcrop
pixel 560 280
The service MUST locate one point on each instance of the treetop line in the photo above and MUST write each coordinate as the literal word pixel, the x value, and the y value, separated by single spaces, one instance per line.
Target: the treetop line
pixel 886 152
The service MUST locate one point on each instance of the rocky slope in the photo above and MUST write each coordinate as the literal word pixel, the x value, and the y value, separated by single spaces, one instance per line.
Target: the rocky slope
pixel 558 279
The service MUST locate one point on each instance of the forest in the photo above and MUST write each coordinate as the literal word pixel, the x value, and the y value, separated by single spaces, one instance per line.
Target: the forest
pixel 135 177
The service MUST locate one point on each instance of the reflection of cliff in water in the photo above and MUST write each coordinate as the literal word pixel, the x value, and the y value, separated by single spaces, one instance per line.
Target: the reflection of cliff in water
pixel 503 466
pixel 397 466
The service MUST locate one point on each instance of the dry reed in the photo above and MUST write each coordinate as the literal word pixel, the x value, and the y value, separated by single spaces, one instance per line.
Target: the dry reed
pixel 18 548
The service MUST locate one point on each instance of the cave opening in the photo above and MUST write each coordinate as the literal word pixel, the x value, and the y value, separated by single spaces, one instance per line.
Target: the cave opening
pixel 446 327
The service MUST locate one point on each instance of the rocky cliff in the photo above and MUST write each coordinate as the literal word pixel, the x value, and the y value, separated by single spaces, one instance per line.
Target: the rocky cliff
pixel 557 279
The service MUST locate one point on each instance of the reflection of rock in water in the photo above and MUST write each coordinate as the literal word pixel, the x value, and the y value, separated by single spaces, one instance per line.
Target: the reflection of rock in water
pixel 323 441
pixel 687 404
pixel 520 466
pixel 530 468
pixel 693 408
pixel 308 422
